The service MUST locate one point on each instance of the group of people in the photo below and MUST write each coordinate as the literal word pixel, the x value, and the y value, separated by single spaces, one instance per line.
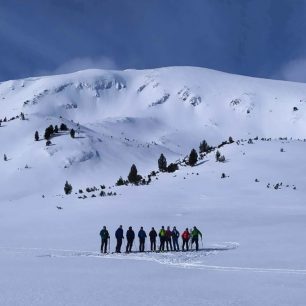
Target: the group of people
pixel 169 239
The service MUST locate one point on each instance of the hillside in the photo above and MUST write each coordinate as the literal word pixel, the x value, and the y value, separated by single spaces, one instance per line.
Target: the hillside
pixel 125 117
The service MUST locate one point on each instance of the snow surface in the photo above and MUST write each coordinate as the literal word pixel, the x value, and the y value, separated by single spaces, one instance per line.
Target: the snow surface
pixel 253 250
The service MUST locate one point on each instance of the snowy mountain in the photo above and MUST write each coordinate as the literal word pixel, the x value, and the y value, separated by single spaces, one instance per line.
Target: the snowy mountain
pixel 250 208
pixel 125 117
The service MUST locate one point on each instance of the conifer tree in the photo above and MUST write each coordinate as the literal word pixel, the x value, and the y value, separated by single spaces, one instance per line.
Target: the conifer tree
pixel 56 129
pixel 162 163
pixel 133 176
pixel 218 154
pixel 63 127
pixel 204 147
pixel 67 188
pixel 36 136
pixel 193 157
pixel 51 128
pixel 47 134
pixel 72 133
pixel 120 182
pixel 5 157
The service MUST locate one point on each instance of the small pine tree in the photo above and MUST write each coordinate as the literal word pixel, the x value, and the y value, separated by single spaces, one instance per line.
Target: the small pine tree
pixel 47 134
pixel 5 157
pixel 56 129
pixel 204 147
pixel 172 168
pixel 218 154
pixel 162 163
pixel 67 188
pixel 72 133
pixel 120 182
pixel 36 136
pixel 193 157
pixel 51 129
pixel 230 139
pixel 63 127
pixel 133 176
pixel 22 116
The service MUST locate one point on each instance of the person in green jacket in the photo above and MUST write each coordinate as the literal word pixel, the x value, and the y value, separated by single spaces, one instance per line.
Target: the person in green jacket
pixel 104 239
pixel 195 233
pixel 162 237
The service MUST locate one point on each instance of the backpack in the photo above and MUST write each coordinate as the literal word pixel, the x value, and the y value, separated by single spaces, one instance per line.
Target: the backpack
pixel 104 234
pixel 162 233
pixel 185 235
pixel 168 234
pixel 176 234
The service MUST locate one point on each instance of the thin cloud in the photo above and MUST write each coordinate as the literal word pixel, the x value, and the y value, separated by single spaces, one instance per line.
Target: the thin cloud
pixel 294 70
pixel 82 63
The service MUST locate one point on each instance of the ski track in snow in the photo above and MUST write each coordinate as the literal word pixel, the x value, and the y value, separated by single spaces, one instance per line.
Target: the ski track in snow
pixel 186 260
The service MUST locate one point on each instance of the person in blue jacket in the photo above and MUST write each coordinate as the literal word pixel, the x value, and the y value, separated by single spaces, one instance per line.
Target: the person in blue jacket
pixel 119 236
pixel 175 237
pixel 142 239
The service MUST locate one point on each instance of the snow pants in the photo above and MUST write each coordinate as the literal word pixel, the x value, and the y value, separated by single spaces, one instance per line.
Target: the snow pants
pixel 153 245
pixel 119 244
pixel 196 240
pixel 185 243
pixel 103 245
pixel 141 244
pixel 175 244
pixel 162 244
pixel 129 245
pixel 168 243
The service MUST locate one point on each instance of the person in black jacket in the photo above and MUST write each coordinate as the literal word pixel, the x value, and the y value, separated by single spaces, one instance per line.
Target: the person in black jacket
pixel 119 236
pixel 142 239
pixel 130 236
pixel 153 236
pixel 175 237
pixel 104 238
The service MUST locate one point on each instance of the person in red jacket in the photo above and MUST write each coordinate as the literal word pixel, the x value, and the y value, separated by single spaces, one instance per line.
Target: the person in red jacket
pixel 186 237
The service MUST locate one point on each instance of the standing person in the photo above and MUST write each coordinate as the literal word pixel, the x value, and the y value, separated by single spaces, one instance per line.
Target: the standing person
pixel 185 237
pixel 175 237
pixel 168 238
pixel 142 239
pixel 162 237
pixel 130 236
pixel 119 236
pixel 153 236
pixel 195 237
pixel 104 238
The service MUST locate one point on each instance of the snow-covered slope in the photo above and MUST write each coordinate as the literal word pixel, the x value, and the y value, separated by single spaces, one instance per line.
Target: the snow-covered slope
pixel 126 117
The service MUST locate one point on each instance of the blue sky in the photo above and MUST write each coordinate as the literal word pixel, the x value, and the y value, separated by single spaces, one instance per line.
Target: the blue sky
pixel 264 38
